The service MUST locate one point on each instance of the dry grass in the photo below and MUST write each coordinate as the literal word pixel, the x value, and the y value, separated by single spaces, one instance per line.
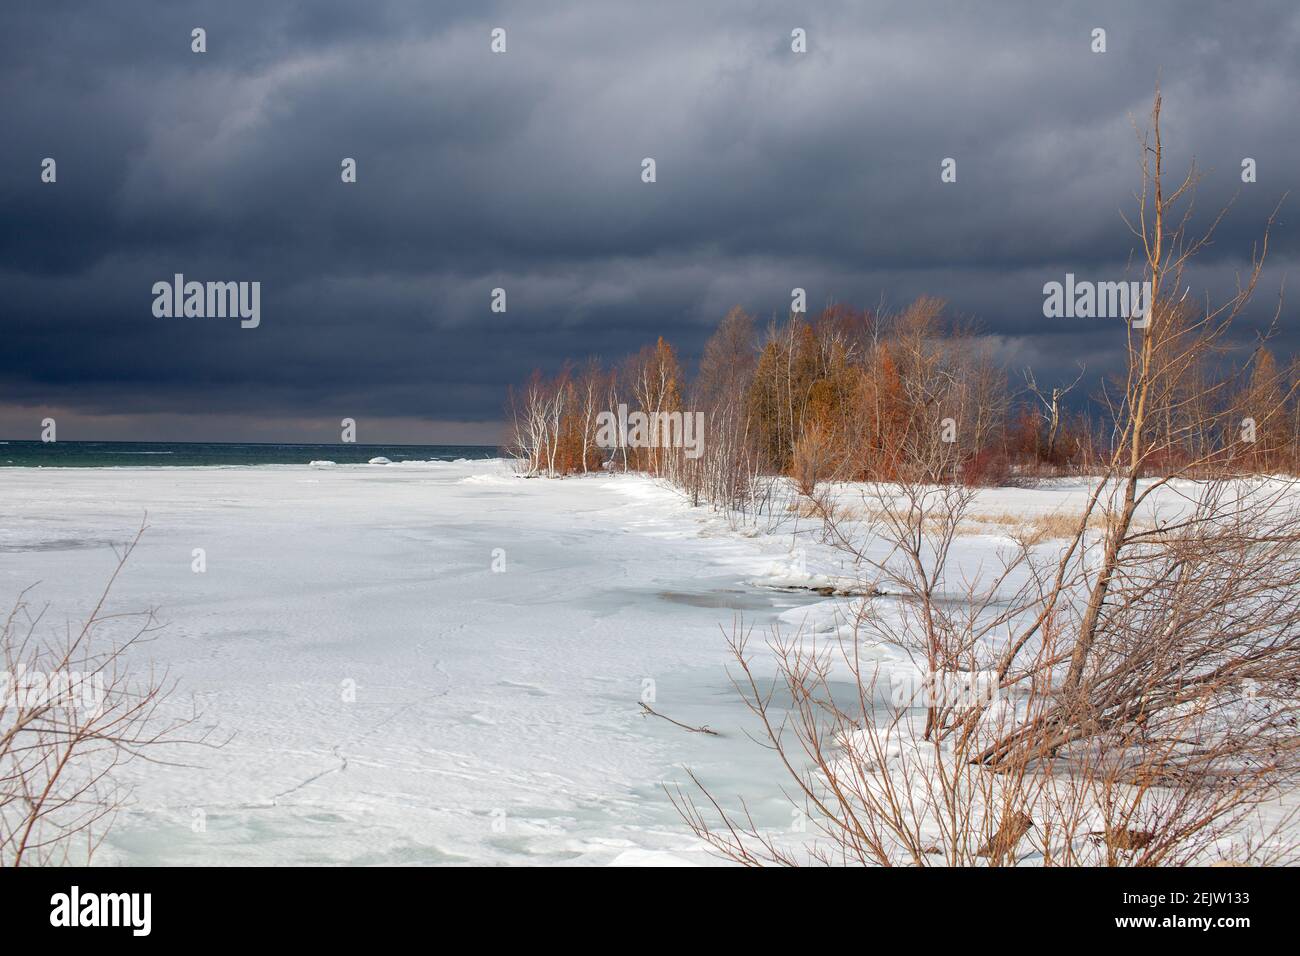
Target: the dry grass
pixel 1035 529
pixel 1031 529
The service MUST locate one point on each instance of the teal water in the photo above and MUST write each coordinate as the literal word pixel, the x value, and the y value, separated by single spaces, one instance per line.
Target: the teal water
pixel 118 454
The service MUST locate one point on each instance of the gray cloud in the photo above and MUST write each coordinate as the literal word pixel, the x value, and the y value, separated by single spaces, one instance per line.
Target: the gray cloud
pixel 522 170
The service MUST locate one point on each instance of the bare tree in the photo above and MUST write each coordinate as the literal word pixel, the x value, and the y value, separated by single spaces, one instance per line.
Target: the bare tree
pixel 1142 681
pixel 71 714
pixel 727 471
pixel 1051 406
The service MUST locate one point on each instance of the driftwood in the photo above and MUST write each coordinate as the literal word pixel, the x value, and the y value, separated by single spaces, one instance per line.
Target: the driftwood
pixel 1005 840
pixel 1123 839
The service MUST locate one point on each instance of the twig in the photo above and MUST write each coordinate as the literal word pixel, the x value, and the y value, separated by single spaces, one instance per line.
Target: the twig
pixel 694 730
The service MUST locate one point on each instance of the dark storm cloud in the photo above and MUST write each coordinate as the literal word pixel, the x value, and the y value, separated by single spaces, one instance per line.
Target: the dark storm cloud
pixel 522 171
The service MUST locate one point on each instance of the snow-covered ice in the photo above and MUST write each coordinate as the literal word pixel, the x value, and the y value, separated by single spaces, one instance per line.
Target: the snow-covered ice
pixel 391 698
pixel 496 714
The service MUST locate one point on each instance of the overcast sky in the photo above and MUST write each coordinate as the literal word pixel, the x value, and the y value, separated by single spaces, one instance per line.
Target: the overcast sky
pixel 523 170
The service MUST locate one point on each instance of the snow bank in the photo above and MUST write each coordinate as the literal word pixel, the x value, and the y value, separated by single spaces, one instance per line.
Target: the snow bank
pixel 489 479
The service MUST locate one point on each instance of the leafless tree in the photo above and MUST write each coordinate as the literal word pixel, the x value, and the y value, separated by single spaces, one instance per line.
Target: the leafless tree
pixel 1051 406
pixel 1143 701
pixel 72 712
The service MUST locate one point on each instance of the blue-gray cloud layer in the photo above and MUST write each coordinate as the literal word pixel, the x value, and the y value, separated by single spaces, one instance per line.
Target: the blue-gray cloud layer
pixel 522 170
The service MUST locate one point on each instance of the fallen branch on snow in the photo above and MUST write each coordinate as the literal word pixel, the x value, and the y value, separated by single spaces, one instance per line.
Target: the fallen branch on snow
pixel 694 730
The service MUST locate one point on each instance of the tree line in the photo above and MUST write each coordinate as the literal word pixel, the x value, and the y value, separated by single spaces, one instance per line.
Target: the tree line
pixel 863 395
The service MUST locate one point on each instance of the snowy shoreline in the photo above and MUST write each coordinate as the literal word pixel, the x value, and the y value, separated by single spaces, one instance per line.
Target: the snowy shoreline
pixel 440 662
pixel 496 715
